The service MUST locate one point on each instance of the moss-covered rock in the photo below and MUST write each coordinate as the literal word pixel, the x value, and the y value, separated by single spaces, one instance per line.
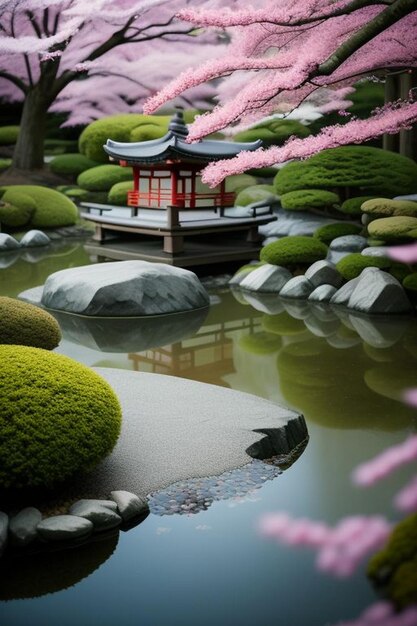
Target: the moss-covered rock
pixel 260 343
pixel 305 199
pixel 71 164
pixel 370 170
pixel 273 132
pixel 52 208
pixel 328 232
pixel 353 264
pixel 389 208
pixel 255 193
pixel 27 325
pixel 393 228
pixel 118 128
pixel 352 206
pixel 118 193
pixel 103 177
pixel 293 251
pixel 57 417
pixel 8 135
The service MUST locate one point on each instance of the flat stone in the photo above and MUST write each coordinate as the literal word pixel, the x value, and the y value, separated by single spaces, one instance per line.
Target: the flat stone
pixel 381 251
pixel 129 504
pixel 322 293
pixel 64 527
pixel 267 278
pixel 297 287
pixel 23 526
pixel 323 273
pixel 34 238
pixel 379 293
pixel 7 243
pixel 4 526
pixel 124 288
pixel 108 504
pixel 349 243
pixel 101 515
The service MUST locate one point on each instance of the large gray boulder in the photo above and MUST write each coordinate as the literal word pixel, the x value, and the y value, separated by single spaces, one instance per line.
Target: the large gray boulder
pixel 297 287
pixel 349 243
pixel 323 273
pixel 379 292
pixel 64 527
pixel 342 295
pixel 124 288
pixel 267 278
pixel 322 293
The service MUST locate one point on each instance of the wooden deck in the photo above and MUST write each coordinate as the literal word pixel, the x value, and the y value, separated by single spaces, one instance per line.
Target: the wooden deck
pixel 189 238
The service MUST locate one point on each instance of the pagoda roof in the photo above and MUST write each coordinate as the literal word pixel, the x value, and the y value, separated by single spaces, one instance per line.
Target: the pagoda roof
pixel 174 146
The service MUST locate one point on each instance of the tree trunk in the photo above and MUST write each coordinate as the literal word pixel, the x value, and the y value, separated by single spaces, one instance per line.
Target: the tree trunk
pixel 391 93
pixel 28 154
pixel 408 138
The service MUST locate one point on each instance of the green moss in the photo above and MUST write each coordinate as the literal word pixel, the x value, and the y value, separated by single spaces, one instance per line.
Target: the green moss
pixel 392 228
pixel 116 127
pixel 254 194
pixel 27 325
pixel 410 282
pixel 60 146
pixel 118 193
pixel 328 232
pixel 353 264
pixel 8 135
pixel 103 177
pixel 239 182
pixel 260 343
pixel 17 210
pixel 273 132
pixel 57 417
pixel 53 209
pixel 352 206
pixel 4 164
pixel 399 270
pixel 249 267
pixel 71 164
pixel 283 324
pixel 388 207
pixel 309 199
pixel 370 170
pixel 76 193
pixel 295 250
pixel 146 132
pixel 263 172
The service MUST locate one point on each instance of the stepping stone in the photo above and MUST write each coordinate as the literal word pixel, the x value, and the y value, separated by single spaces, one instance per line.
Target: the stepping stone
pixel 23 526
pixel 100 514
pixel 129 504
pixel 64 527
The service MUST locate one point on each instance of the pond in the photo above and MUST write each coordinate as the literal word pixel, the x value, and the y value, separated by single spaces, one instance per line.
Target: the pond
pixel 213 566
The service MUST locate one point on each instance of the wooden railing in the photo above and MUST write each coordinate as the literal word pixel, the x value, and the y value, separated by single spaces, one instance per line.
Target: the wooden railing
pixel 184 200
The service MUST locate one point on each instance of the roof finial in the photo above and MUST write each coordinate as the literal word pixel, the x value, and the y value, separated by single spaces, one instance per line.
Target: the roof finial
pixel 177 124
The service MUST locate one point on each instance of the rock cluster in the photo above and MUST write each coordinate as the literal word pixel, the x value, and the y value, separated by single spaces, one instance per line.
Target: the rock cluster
pixel 31 239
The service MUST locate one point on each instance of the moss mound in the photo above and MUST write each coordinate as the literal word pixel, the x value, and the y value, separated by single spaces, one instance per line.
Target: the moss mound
pixel 392 228
pixel 57 417
pixel 26 325
pixel 255 193
pixel 388 207
pixel 309 199
pixel 353 205
pixel 273 132
pixel 263 172
pixel 52 208
pixel 260 343
pixel 353 264
pixel 103 177
pixel 295 250
pixel 8 135
pixel 4 164
pixel 17 210
pixel 146 132
pixel 118 193
pixel 370 170
pixel 71 164
pixel 328 232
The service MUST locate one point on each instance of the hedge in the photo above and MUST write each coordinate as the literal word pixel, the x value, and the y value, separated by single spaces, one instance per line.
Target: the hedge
pixel 309 199
pixel 8 135
pixel 52 208
pixel 71 164
pixel 103 177
pixel 293 250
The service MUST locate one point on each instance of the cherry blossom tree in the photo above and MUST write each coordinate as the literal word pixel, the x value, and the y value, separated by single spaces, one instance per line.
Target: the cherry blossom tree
pixel 285 52
pixel 91 58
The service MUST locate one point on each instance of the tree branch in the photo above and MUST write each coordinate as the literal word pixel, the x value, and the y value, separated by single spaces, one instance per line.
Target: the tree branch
pixel 15 80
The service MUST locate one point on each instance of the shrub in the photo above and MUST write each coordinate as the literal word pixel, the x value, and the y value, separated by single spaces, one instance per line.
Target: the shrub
pixel 116 127
pixel 118 193
pixel 353 264
pixel 371 170
pixel 328 232
pixel 8 135
pixel 410 282
pixel 147 132
pixel 57 417
pixel 27 325
pixel 71 164
pixel 388 207
pixel 263 172
pixel 273 132
pixel 60 146
pixel 254 193
pixel 18 209
pixel 4 164
pixel 392 228
pixel 309 199
pixel 353 205
pixel 295 250
pixel 103 177
pixel 52 208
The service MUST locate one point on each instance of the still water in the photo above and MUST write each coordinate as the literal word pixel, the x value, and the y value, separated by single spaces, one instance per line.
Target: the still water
pixel 213 567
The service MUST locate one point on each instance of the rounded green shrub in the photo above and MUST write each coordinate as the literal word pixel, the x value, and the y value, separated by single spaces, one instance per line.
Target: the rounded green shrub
pixel 273 132
pixel 17 210
pixel 389 208
pixel 147 132
pixel 260 343
pixel 353 264
pixel 309 199
pixel 370 170
pixel 410 282
pixel 4 164
pixel 24 324
pixel 8 135
pixel 328 232
pixel 392 228
pixel 103 177
pixel 52 208
pixel 295 250
pixel 352 206
pixel 116 127
pixel 76 193
pixel 254 194
pixel 118 193
pixel 57 417
pixel 262 172
pixel 71 164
